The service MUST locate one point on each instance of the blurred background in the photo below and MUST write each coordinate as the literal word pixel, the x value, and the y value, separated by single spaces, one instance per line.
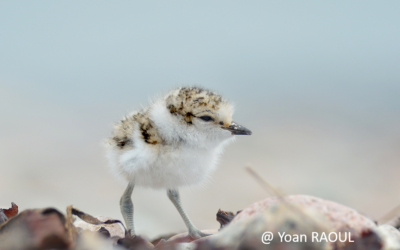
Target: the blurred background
pixel 318 83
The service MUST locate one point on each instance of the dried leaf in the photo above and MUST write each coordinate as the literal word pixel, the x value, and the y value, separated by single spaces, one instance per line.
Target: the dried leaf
pixel 224 218
pixel 92 220
pixel 6 214
pixel 103 231
pixel 11 212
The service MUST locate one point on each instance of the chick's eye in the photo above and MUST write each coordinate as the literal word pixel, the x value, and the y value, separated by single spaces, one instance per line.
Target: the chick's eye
pixel 206 118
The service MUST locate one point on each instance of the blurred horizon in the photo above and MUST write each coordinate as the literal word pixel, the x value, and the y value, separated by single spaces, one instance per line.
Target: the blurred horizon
pixel 318 83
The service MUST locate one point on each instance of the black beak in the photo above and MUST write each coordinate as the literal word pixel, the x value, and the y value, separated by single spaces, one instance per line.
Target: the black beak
pixel 237 129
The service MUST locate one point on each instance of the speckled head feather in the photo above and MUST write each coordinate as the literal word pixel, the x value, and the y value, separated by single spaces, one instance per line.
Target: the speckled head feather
pixel 191 102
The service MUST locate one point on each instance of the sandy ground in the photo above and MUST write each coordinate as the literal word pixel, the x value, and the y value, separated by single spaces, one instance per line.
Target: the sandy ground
pixel 58 163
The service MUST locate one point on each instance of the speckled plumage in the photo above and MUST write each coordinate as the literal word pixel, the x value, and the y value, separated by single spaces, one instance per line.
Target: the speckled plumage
pixel 123 131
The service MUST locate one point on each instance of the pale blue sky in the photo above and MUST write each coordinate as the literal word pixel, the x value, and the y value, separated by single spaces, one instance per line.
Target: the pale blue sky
pixel 119 53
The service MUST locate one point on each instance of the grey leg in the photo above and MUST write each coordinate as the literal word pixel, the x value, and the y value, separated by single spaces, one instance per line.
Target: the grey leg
pixel 126 206
pixel 195 233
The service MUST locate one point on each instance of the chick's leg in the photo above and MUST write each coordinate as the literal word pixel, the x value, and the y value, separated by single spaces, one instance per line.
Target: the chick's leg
pixel 195 233
pixel 126 207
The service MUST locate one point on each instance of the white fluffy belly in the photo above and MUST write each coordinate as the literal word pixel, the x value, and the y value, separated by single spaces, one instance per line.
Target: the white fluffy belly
pixel 167 168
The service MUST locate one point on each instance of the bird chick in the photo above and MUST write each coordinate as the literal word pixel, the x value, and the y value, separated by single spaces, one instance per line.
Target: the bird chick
pixel 171 144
